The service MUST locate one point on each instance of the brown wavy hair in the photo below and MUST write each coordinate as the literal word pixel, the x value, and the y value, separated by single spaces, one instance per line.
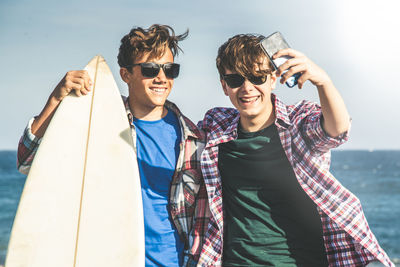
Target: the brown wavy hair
pixel 243 54
pixel 156 39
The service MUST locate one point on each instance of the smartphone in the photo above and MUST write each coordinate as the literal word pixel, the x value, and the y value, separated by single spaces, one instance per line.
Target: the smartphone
pixel 273 44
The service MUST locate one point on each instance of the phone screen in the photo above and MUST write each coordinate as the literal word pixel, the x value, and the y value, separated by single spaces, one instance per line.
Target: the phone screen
pixel 273 44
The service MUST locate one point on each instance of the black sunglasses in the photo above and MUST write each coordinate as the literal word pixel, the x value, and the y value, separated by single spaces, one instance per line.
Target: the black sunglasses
pixel 151 69
pixel 236 80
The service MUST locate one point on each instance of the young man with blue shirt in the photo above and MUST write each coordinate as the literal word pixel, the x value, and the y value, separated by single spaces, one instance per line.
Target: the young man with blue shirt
pixel 168 145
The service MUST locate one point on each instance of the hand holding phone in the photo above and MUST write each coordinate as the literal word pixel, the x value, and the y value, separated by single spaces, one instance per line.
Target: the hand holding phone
pixel 296 71
pixel 273 44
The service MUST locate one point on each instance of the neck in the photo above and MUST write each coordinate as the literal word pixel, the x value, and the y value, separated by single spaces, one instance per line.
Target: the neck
pixel 259 122
pixel 147 113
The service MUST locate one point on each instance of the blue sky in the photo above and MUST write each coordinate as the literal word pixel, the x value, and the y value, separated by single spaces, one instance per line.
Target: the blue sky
pixel 356 42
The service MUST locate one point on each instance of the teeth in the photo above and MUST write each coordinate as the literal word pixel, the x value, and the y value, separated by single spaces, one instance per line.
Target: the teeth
pixel 158 90
pixel 248 99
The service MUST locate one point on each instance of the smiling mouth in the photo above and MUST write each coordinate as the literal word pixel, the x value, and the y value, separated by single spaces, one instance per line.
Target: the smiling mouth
pixel 159 90
pixel 249 100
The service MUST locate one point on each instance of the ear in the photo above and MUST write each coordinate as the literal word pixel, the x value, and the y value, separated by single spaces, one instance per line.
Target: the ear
pixel 125 75
pixel 272 80
pixel 224 87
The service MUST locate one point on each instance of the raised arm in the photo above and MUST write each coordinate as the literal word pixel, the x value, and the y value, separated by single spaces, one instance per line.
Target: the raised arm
pixel 78 81
pixel 336 118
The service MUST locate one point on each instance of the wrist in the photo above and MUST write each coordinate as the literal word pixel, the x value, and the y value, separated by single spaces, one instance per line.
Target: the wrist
pixel 55 99
pixel 324 85
pixel 52 104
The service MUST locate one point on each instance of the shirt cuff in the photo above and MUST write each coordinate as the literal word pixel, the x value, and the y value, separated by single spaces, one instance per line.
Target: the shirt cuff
pixel 325 137
pixel 30 140
pixel 321 140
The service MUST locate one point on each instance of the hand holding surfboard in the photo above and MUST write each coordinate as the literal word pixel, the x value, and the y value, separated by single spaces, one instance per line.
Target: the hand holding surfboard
pixel 81 204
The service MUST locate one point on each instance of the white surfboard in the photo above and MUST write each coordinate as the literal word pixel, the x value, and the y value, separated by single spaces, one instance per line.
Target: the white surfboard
pixel 81 205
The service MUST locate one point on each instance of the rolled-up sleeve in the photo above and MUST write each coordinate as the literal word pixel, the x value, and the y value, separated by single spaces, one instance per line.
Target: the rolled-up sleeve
pixel 316 137
pixel 27 147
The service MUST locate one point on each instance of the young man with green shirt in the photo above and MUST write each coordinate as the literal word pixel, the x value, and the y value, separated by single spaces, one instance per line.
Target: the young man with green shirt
pixel 272 199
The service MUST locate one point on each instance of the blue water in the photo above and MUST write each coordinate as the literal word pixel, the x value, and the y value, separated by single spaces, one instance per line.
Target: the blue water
pixel 373 176
pixel 11 184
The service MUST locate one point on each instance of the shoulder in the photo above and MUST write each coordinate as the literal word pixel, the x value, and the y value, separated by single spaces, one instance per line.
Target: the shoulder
pixel 295 113
pixel 218 117
pixel 192 127
pixel 189 128
pixel 303 106
pixel 303 109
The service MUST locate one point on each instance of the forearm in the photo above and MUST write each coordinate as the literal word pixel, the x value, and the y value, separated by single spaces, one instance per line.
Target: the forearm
pixel 336 118
pixel 42 121
pixel 33 133
pixel 79 81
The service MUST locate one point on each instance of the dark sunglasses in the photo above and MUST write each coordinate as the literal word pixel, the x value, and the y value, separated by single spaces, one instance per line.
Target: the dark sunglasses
pixel 236 80
pixel 151 69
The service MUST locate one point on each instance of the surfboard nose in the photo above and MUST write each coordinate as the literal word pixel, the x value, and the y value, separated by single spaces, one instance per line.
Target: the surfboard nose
pixel 94 61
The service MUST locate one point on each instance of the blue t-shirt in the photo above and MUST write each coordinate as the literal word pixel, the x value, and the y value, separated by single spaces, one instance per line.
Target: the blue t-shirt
pixel 157 154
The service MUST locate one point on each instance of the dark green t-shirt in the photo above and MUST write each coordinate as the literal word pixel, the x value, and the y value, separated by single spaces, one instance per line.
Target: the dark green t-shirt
pixel 269 219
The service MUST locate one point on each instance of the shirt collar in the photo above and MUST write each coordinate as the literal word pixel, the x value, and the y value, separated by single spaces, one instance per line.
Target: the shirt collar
pixel 281 113
pixel 225 126
pixel 189 128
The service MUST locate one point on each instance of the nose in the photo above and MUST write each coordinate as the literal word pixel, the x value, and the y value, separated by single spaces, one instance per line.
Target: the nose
pixel 247 86
pixel 161 78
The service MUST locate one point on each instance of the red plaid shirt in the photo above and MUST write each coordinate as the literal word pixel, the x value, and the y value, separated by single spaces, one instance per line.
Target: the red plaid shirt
pixel 188 199
pixel 347 238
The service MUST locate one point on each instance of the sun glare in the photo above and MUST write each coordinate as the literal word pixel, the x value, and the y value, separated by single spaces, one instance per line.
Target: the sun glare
pixel 369 28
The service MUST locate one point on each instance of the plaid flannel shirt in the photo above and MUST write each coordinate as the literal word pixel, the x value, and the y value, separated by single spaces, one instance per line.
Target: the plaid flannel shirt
pixel 347 238
pixel 188 198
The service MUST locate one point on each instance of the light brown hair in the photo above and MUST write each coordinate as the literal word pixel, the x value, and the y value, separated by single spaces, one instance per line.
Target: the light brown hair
pixel 243 54
pixel 154 40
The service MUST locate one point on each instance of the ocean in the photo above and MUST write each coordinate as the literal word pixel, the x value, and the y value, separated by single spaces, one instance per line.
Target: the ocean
pixel 374 176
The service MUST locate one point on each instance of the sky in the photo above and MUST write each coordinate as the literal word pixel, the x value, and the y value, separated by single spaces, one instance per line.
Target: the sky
pixel 355 42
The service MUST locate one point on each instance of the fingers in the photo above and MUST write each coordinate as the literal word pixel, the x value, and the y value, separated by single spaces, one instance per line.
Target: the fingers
pixel 292 66
pixel 302 79
pixel 287 52
pixel 289 64
pixel 299 63
pixel 79 84
pixel 292 71
pixel 79 81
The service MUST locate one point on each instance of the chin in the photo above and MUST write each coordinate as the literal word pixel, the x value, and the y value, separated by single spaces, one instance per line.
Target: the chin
pixel 160 102
pixel 249 113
